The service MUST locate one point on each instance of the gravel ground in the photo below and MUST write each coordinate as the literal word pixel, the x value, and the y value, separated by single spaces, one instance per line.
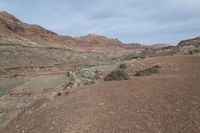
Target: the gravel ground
pixel 168 102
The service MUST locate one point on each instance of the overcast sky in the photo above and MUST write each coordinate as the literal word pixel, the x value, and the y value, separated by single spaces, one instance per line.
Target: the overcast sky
pixel 144 21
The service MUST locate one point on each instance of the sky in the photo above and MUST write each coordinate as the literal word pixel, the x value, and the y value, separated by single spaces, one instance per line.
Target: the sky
pixel 142 21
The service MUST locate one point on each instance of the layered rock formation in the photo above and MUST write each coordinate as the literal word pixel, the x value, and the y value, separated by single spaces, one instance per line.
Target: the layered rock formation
pixel 15 31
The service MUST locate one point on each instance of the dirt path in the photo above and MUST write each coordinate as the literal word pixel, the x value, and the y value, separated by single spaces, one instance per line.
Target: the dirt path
pixel 168 102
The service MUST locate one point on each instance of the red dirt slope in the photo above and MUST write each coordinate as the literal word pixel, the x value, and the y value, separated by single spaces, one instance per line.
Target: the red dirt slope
pixel 166 102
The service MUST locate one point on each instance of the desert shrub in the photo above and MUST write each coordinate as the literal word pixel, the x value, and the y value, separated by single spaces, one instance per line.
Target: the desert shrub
pixel 195 51
pixel 122 66
pixel 191 52
pixel 148 71
pixel 117 75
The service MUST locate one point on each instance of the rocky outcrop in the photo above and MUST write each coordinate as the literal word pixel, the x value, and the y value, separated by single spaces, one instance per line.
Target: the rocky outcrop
pixel 82 77
pixel 192 42
pixel 190 46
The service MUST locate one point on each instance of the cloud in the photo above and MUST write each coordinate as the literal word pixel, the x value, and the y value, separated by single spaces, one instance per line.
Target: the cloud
pixel 149 22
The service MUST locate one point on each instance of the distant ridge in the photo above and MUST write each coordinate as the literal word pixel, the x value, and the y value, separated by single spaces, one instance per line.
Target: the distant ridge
pixel 15 31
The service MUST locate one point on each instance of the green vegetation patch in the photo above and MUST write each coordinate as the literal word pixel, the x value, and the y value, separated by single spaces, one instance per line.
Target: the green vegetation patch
pixel 117 75
pixel 122 66
pixel 148 71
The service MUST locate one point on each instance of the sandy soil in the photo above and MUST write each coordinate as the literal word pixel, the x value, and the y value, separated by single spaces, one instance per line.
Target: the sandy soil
pixel 167 102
